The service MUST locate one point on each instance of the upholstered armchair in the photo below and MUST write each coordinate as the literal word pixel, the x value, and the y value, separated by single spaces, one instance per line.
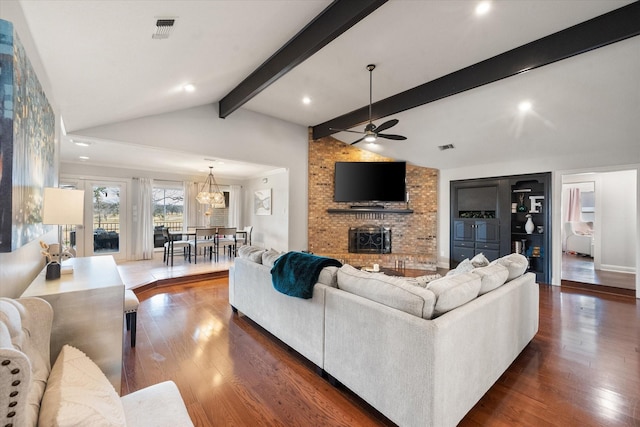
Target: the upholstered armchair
pixel 579 237
pixel 74 391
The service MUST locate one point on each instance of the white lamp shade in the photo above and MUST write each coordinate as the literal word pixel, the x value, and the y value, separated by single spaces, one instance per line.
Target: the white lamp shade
pixel 62 206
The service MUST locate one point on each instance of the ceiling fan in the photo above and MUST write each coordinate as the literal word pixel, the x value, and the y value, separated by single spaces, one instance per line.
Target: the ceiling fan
pixel 372 132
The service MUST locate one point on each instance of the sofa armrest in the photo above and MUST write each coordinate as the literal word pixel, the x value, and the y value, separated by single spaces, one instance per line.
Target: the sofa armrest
pixel 159 405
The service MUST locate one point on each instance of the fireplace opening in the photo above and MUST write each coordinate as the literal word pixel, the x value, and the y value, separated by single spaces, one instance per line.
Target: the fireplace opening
pixel 370 240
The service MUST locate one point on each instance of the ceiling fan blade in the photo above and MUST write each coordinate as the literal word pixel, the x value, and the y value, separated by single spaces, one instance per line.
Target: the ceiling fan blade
pixel 346 130
pixel 355 142
pixel 390 136
pixel 387 125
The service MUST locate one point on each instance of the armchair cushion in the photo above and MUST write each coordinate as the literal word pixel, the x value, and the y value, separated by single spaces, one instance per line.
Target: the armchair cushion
pixel 78 393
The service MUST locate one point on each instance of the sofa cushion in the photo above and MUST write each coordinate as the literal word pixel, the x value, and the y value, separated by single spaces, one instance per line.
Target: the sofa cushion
pixel 269 257
pixel 252 253
pixel 329 276
pixel 491 277
pixel 78 393
pixel 454 291
pixel 393 292
pixel 516 264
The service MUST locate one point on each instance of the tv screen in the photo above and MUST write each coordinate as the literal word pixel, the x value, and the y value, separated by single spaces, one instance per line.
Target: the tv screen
pixel 370 182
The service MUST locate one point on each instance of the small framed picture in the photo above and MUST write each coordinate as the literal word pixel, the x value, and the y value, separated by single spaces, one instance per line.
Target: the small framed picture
pixel 262 202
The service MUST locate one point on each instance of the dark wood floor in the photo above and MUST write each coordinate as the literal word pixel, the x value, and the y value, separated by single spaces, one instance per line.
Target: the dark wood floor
pixel 581 369
pixel 578 272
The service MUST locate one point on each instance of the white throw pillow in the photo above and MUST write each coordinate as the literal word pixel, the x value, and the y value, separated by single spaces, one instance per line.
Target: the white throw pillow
pixel 79 394
pixel 492 277
pixel 465 266
pixel 422 281
pixel 479 260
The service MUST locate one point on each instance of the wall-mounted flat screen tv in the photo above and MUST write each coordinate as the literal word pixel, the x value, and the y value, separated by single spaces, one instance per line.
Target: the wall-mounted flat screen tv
pixel 370 182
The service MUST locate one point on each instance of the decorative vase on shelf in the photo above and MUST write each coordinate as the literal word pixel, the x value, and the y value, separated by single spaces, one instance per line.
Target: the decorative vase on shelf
pixel 521 206
pixel 529 226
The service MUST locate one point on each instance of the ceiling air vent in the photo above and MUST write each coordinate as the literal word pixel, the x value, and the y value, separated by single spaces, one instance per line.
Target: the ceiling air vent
pixel 446 147
pixel 163 28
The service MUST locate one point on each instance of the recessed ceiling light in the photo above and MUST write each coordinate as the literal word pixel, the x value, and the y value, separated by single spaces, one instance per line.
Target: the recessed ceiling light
pixel 483 8
pixel 83 158
pixel 82 143
pixel 306 100
pixel 188 87
pixel 524 106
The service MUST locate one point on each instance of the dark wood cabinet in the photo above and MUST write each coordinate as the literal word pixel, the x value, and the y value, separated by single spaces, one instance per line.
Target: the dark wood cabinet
pixel 488 215
pixel 474 236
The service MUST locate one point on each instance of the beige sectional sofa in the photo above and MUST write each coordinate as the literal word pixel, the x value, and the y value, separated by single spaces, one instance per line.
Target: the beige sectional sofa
pixel 74 392
pixel 422 356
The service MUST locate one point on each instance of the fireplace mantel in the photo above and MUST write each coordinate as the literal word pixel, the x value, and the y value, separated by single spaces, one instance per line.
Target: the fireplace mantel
pixel 371 209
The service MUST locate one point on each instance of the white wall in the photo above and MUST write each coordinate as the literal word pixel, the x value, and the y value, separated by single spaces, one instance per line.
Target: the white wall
pixel 616 210
pixel 20 267
pixel 269 231
pixel 245 136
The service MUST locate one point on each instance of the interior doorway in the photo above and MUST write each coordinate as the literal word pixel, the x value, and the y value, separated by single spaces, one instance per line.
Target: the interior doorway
pixel 599 220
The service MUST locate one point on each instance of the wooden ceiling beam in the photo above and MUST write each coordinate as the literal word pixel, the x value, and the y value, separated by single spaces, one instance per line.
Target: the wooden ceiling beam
pixel 337 18
pixel 600 31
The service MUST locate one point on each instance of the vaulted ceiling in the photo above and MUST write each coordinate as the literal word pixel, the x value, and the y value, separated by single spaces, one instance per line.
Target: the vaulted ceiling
pixel 104 67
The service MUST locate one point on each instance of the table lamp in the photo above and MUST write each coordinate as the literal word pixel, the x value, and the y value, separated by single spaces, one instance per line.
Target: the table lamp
pixel 62 207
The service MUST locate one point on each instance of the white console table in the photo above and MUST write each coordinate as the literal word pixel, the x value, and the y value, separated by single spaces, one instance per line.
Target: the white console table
pixel 88 311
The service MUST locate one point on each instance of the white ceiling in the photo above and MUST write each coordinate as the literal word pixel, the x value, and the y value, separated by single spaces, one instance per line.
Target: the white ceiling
pixel 104 68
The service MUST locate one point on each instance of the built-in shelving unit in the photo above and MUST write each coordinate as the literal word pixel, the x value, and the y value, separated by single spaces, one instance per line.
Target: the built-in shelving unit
pixel 530 200
pixel 488 215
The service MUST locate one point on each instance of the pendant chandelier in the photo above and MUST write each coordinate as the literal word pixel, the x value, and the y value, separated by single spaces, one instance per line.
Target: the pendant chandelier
pixel 214 196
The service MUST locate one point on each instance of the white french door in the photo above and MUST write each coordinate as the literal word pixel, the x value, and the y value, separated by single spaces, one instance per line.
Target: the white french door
pixel 105 218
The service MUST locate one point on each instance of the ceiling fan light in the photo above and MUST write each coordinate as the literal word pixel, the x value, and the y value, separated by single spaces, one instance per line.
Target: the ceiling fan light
pixel 370 138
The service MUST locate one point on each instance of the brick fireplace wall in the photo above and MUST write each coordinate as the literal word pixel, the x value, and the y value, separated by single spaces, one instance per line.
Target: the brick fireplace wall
pixel 413 235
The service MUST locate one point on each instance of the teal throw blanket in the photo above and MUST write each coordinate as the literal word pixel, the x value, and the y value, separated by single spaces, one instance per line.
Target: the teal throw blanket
pixel 295 273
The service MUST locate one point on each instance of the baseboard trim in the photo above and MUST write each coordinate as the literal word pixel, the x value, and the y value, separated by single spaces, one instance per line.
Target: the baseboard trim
pixel 602 289
pixel 618 268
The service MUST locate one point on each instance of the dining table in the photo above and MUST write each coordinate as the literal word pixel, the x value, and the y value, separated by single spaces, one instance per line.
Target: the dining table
pixel 190 232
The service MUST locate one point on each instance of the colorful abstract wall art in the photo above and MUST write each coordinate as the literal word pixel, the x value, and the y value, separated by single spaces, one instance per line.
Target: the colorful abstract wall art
pixel 27 145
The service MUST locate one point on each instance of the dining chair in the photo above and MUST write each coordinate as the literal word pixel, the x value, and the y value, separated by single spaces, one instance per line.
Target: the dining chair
pixel 173 241
pixel 205 238
pixel 243 237
pixel 131 304
pixel 226 238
